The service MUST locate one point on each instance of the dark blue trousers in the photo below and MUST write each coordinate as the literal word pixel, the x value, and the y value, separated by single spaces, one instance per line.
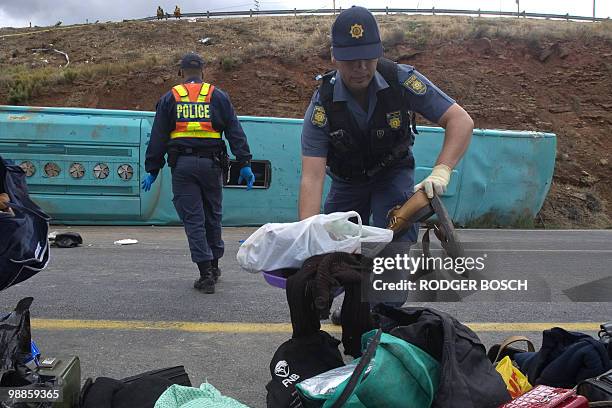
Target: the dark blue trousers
pixel 374 198
pixel 197 185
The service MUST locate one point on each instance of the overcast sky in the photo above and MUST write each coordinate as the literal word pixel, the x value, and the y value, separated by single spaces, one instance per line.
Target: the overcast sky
pixel 19 13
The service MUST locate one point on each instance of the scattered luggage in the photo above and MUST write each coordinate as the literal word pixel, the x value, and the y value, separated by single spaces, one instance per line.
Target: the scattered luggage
pixel 24 249
pixel 506 348
pixel 565 359
pixel 48 373
pixel 467 377
pixel 138 391
pixel 605 336
pixel 298 359
pixel 516 382
pixel 64 372
pixel 390 373
pixel 311 290
pixel 15 344
pixel 597 389
pixel 544 396
pixel 207 396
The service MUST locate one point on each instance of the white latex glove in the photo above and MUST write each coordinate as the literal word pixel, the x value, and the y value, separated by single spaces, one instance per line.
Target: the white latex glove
pixel 436 181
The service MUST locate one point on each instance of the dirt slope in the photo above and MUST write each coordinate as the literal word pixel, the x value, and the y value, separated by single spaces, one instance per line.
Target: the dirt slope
pixel 507 73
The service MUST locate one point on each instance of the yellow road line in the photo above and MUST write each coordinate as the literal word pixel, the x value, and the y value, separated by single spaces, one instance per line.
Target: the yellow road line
pixel 262 328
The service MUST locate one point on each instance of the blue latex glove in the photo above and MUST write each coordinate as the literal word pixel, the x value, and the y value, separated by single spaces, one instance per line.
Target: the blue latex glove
pixel 246 174
pixel 148 182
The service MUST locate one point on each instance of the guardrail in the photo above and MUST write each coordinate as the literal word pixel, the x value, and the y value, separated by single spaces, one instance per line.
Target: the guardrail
pixel 386 10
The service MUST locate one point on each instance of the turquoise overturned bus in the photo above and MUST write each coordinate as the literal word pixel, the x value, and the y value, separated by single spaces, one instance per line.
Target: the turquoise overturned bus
pixel 84 166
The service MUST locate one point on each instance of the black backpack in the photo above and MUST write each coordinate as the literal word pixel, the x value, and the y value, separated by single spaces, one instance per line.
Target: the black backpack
pixel 296 360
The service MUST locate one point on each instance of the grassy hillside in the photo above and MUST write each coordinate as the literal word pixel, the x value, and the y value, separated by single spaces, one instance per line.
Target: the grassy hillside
pixel 508 73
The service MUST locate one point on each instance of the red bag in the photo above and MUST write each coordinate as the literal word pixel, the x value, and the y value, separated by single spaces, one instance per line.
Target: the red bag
pixel 544 396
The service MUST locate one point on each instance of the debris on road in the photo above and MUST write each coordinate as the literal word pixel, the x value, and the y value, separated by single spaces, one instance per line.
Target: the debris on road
pixel 127 241
pixel 65 239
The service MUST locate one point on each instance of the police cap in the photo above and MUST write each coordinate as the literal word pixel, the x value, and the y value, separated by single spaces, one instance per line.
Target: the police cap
pixel 192 60
pixel 355 35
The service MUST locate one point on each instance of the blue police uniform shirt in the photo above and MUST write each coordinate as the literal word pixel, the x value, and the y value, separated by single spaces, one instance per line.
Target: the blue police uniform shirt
pixel 432 105
pixel 223 118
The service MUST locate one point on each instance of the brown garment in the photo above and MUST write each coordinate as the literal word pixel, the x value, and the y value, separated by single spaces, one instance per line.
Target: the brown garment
pixel 310 294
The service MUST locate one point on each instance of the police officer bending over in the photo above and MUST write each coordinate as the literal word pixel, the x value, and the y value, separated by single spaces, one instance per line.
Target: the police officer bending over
pixel 360 123
pixel 188 125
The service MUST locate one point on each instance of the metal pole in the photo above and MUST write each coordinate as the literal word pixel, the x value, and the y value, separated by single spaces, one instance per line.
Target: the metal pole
pixel 593 10
pixel 518 9
pixel 334 7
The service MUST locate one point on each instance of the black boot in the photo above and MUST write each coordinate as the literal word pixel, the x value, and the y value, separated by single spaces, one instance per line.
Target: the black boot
pixel 206 283
pixel 215 269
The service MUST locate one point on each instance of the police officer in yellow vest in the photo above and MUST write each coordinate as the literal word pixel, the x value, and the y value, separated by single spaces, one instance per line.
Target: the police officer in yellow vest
pixel 188 125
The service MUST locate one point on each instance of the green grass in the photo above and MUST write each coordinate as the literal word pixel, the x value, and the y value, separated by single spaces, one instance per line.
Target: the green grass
pixel 23 83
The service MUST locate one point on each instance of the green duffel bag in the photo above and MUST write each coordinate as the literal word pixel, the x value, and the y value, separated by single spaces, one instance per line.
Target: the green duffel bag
pixel 390 373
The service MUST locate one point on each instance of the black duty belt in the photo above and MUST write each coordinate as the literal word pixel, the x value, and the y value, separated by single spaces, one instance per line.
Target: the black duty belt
pixel 189 151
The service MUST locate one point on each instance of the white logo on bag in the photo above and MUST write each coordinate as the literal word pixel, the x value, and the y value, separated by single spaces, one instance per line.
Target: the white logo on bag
pixel 282 370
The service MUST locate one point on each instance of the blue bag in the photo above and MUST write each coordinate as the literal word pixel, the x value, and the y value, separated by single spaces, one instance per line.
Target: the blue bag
pixel 24 243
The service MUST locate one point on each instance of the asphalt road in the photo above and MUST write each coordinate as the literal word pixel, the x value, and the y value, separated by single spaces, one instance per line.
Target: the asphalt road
pixel 129 309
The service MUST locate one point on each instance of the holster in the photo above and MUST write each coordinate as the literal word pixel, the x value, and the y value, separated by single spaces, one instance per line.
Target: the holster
pixel 222 159
pixel 173 155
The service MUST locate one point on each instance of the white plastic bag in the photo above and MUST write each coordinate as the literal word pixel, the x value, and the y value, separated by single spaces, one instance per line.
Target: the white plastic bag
pixel 288 245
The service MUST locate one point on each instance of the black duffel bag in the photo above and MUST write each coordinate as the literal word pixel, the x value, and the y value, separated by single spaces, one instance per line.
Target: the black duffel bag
pixel 24 229
pixel 597 389
pixel 138 391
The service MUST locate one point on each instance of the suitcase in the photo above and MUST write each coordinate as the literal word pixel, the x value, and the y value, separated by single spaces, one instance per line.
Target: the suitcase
pixel 544 396
pixel 64 372
pixel 598 388
pixel 176 375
